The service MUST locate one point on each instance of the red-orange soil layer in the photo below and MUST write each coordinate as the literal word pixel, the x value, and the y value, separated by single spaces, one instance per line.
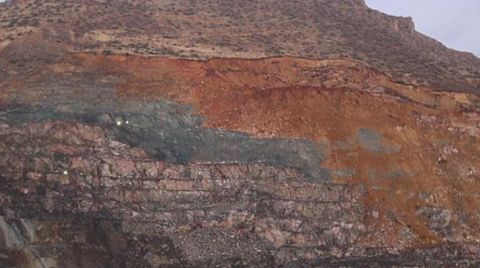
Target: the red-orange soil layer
pixel 431 137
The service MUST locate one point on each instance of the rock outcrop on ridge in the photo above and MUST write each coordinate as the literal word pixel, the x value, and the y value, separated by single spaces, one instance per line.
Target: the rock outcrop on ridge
pixel 225 134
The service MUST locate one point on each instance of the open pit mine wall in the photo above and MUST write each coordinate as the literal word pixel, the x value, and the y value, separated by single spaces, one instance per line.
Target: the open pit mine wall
pixel 283 162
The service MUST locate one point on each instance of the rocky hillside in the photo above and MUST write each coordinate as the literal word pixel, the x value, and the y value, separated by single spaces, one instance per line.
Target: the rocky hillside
pixel 249 29
pixel 221 134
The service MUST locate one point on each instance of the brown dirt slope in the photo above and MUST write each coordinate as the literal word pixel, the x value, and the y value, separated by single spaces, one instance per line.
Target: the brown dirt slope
pixel 249 29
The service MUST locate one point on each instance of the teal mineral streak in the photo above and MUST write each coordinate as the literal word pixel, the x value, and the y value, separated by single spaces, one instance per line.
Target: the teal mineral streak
pixel 171 132
pixel 372 141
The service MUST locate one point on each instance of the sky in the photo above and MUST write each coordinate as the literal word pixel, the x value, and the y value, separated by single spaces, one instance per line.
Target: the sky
pixel 455 23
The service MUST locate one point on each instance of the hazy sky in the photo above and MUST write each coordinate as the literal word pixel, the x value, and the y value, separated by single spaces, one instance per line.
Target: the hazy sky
pixel 455 23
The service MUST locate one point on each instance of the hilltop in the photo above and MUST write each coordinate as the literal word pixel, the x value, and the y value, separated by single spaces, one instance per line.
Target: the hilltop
pixel 317 29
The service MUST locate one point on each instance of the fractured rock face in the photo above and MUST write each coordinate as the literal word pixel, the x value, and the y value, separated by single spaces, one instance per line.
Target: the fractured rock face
pixel 132 159
pixel 248 177
pixel 225 206
pixel 247 210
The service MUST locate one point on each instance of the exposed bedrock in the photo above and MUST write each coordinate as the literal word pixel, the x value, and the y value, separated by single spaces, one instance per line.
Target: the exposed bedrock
pixel 64 176
pixel 74 196
pixel 215 164
pixel 221 133
pixel 172 133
